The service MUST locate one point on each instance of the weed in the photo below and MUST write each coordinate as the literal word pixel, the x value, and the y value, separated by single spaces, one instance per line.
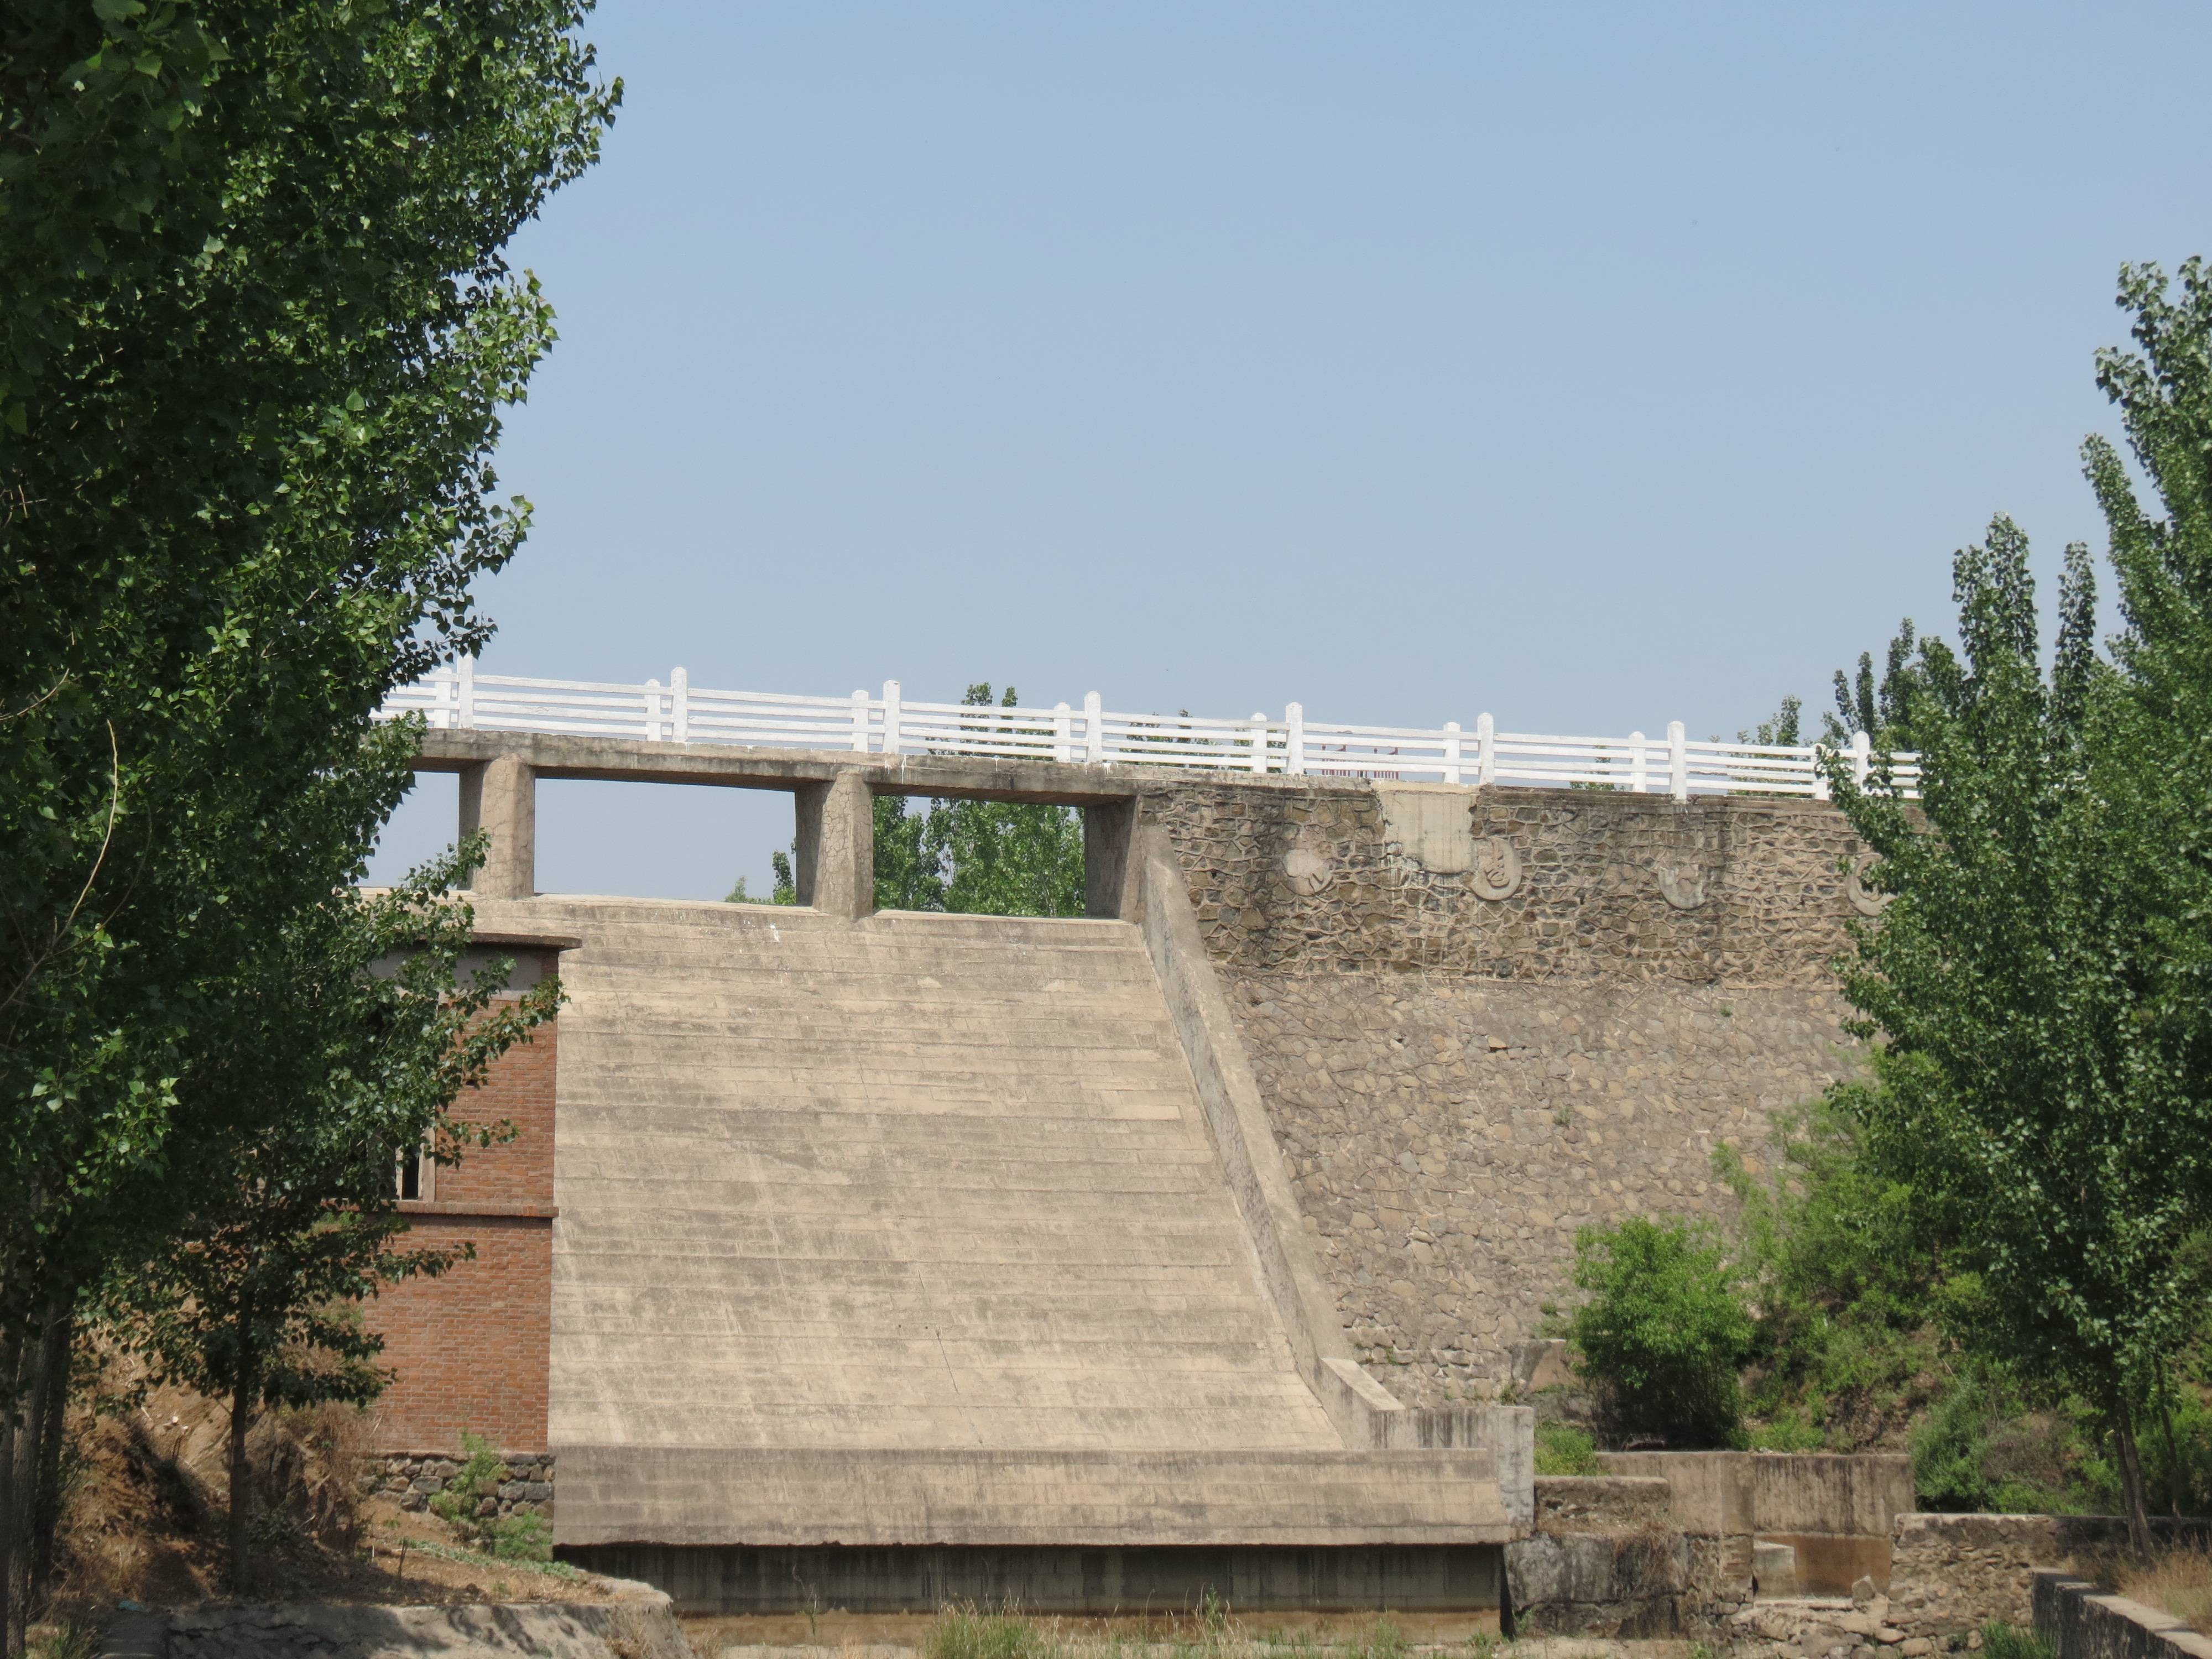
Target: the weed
pixel 2003 1641
pixel 523 1537
pixel 1563 1449
pixel 1384 1640
pixel 969 1632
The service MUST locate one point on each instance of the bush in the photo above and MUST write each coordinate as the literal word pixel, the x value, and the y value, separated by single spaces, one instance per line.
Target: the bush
pixel 1664 1329
pixel 1563 1449
pixel 523 1537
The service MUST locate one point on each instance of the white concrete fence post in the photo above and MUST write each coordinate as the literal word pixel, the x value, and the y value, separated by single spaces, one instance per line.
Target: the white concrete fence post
pixel 1094 729
pixel 861 705
pixel 1063 723
pixel 1862 757
pixel 1638 783
pixel 892 739
pixel 1294 739
pixel 1451 752
pixel 1678 760
pixel 1259 741
pixel 652 732
pixel 680 679
pixel 1485 750
pixel 465 693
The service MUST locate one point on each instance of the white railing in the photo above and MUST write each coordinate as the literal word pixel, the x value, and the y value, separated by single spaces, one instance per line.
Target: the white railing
pixel 460 698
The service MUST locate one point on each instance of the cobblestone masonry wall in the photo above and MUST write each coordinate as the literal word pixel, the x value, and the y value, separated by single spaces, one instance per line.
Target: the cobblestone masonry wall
pixel 526 1484
pixel 1457 1084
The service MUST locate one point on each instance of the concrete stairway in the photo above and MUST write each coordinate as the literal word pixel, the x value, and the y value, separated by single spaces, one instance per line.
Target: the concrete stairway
pixel 915 1182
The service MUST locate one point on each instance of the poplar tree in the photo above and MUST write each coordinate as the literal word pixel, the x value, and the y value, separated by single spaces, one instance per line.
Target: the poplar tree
pixel 2042 977
pixel 256 329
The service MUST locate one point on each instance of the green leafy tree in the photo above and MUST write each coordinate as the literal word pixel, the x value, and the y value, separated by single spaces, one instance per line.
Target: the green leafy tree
pixel 360 1054
pixel 2042 978
pixel 1880 707
pixel 1664 1328
pixel 1782 729
pixel 1845 1287
pixel 256 332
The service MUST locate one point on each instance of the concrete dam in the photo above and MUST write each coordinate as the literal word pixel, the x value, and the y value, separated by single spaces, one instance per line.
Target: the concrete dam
pixel 892 1259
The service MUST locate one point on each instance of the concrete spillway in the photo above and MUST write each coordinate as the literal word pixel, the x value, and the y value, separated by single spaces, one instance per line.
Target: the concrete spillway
pixel 920 1181
pixel 913 1258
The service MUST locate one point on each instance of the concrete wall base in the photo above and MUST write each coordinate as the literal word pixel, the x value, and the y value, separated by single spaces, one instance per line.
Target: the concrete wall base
pixel 733 1579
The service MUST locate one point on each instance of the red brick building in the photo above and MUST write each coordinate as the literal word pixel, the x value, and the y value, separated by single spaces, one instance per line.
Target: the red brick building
pixel 470 1347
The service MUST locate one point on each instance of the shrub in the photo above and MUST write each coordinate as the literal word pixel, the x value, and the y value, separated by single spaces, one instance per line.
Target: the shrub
pixel 1664 1329
pixel 523 1537
pixel 1563 1449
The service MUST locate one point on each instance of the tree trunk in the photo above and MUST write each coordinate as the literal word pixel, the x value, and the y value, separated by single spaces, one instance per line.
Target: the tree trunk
pixel 50 1423
pixel 2131 1479
pixel 241 1485
pixel 2174 1479
pixel 14 1541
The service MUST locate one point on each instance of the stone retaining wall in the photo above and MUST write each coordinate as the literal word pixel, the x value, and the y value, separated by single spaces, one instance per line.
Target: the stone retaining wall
pixel 1446 1136
pixel 1459 1082
pixel 525 1481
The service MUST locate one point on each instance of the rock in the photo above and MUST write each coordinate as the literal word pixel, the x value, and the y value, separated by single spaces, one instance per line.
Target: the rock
pixel 1916 1647
pixel 1885 1634
pixel 1864 1591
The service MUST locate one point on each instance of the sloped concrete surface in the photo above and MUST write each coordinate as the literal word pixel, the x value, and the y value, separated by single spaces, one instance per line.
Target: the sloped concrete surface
pixel 927 1185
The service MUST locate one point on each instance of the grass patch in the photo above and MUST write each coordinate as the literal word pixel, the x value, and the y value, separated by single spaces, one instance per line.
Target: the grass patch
pixel 478 1559
pixel 1563 1449
pixel 2003 1641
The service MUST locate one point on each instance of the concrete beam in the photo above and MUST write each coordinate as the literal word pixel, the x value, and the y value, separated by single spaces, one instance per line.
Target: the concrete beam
pixel 835 869
pixel 956 777
pixel 500 796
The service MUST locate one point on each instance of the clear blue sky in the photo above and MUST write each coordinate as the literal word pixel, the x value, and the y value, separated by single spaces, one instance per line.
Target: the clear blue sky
pixel 1592 365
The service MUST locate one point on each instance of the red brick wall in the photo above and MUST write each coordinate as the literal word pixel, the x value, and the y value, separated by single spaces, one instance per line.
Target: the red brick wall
pixel 470 1347
pixel 518 1090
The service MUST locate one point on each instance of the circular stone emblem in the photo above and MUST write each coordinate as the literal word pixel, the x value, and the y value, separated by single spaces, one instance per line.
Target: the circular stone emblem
pixel 1496 873
pixel 1682 883
pixel 1863 899
pixel 1306 870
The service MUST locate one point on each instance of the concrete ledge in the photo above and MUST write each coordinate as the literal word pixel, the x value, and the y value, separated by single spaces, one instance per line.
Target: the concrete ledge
pixel 2085 1624
pixel 786 1496
pixel 1092 1581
